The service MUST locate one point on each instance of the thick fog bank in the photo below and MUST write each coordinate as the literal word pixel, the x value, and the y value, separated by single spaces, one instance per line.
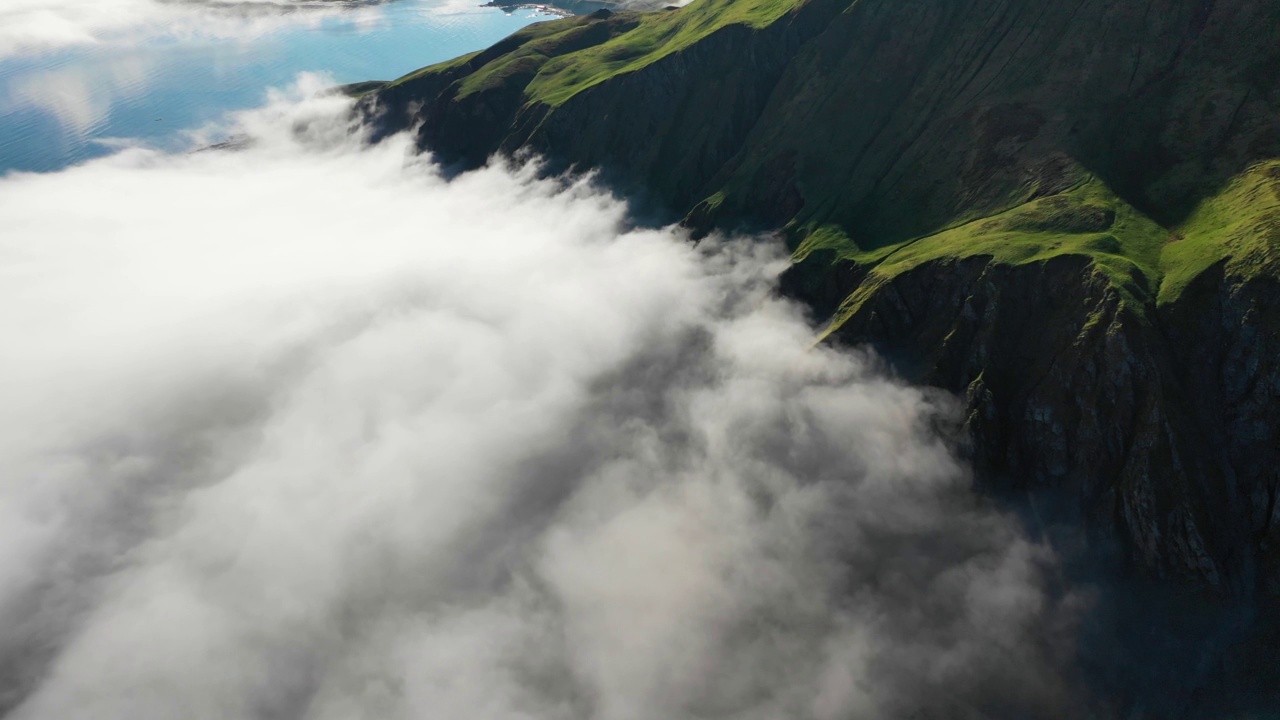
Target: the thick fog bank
pixel 304 431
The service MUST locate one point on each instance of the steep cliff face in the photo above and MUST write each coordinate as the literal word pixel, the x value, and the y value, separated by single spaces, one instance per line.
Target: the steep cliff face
pixel 1159 422
pixel 1067 213
pixel 1141 377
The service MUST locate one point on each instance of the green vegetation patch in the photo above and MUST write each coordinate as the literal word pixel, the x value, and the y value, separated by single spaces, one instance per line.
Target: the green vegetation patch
pixel 1145 261
pixel 528 39
pixel 1240 224
pixel 1087 220
pixel 557 59
pixel 657 35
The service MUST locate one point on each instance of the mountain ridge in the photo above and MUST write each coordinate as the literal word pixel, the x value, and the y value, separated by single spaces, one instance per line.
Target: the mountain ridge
pixel 1068 214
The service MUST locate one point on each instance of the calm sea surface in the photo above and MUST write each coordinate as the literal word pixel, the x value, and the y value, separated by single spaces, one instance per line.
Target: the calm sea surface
pixel 59 107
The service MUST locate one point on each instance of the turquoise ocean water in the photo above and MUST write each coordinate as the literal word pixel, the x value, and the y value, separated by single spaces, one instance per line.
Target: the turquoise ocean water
pixel 62 106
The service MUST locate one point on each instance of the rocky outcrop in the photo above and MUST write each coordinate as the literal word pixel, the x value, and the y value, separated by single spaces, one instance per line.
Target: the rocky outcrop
pixel 1158 422
pixel 1151 427
pixel 1225 336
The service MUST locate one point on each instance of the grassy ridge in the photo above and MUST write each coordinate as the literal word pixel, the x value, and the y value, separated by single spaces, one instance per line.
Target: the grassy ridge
pixel 899 134
pixel 1239 226
pixel 564 57
pixel 656 36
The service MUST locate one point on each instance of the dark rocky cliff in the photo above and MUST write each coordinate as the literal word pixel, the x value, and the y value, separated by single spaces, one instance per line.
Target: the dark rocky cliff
pixel 1159 422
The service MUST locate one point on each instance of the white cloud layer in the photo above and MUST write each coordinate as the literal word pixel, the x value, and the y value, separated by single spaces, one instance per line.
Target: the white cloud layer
pixel 305 431
pixel 39 25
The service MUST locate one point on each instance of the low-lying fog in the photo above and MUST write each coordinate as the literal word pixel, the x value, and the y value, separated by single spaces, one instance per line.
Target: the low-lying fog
pixel 305 431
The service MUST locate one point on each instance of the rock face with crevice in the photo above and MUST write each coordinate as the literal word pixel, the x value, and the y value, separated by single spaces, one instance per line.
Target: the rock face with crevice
pixel 1159 421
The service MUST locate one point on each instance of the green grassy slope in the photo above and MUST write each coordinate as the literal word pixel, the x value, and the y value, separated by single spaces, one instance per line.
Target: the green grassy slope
pixel 1238 225
pixel 900 133
pixel 567 56
pixel 657 35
